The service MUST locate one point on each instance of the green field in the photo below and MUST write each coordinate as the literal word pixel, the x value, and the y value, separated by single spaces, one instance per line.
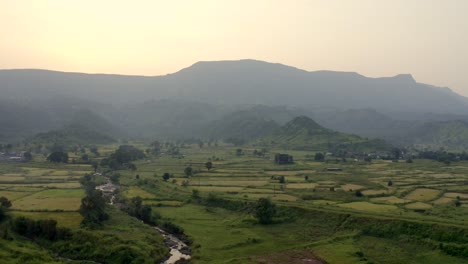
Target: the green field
pixel 320 214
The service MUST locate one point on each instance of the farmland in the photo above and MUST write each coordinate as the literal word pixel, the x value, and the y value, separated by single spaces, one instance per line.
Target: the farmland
pixel 320 214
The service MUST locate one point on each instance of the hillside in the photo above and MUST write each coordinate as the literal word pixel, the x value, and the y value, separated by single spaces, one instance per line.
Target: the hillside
pixel 242 125
pixel 239 82
pixel 450 135
pixel 304 133
pixel 71 135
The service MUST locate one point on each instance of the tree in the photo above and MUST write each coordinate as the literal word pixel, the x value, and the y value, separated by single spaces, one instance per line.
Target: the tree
pixel 115 178
pixel 166 176
pixel 4 202
pixel 93 209
pixel 238 152
pixel 94 150
pixel 188 171
pixel 132 167
pixel 319 157
pixel 95 165
pixel 58 157
pixel 264 211
pixel 396 153
pixel 209 165
pixel 282 179
pixel 200 144
pixel 359 193
pixel 85 157
pixel 390 183
pixel 195 194
pixel 156 147
pixel 27 156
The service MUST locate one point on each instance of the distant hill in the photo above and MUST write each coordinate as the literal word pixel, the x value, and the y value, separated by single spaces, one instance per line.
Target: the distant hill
pixel 72 135
pixel 240 82
pixel 450 135
pixel 244 125
pixel 304 133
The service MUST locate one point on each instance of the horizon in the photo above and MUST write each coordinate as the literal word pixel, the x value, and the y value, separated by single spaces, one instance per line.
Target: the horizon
pixel 154 38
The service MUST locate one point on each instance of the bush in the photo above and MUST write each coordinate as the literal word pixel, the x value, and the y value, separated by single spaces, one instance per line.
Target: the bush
pixel 264 211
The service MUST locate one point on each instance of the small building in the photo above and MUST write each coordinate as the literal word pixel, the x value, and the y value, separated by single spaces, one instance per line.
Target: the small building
pixel 283 159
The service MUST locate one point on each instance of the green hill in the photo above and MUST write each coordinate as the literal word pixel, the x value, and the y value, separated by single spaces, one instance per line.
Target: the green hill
pixel 244 125
pixel 451 135
pixel 303 133
pixel 72 134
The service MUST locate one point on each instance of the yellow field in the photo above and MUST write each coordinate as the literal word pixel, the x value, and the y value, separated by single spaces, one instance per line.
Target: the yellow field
pixel 423 194
pixel 366 206
pixel 301 185
pixel 350 186
pixel 418 205
pixel 276 197
pixel 50 200
pixel 292 172
pixel 374 192
pixel 443 200
pixel 13 195
pixel 11 178
pixel 64 219
pixel 455 195
pixel 134 191
pixel 388 200
pixel 234 183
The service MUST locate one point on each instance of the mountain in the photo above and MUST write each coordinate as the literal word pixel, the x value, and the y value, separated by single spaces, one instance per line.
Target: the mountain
pixel 240 82
pixel 242 125
pixel 71 135
pixel 304 133
pixel 450 135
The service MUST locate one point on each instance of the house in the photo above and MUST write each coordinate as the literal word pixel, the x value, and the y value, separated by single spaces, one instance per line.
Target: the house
pixel 283 159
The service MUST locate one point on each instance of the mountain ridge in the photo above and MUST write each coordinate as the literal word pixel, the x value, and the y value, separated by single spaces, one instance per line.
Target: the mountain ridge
pixel 239 82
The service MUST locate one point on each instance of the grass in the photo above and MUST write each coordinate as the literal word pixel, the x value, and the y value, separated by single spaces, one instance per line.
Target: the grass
pixel 64 219
pixel 53 199
pixel 370 207
pixel 423 194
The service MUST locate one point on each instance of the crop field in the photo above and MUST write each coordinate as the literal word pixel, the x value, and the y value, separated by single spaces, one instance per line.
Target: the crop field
pixel 416 187
pixel 422 191
pixel 419 191
pixel 41 190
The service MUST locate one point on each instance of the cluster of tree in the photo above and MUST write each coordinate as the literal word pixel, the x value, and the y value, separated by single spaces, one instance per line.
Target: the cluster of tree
pixel 122 158
pixel 4 204
pixel 265 210
pixel 93 205
pixel 260 153
pixel 46 229
pixel 319 156
pixel 58 157
pixel 136 208
pixel 6 147
pixel 442 156
pixel 166 176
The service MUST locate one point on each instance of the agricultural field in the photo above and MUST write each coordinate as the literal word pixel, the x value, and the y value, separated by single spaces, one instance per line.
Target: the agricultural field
pixel 325 216
pixel 422 191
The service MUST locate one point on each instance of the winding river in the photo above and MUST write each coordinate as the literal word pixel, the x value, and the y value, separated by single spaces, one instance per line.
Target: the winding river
pixel 178 249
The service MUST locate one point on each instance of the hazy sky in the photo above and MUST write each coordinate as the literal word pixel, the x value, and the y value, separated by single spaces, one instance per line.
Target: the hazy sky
pixel 426 38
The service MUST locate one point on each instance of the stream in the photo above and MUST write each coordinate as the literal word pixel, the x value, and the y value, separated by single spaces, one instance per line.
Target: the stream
pixel 178 249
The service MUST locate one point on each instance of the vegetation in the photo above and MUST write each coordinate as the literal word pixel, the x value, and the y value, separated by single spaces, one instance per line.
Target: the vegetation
pixel 244 209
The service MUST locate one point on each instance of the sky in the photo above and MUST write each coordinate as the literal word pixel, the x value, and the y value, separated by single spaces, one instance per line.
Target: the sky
pixel 426 38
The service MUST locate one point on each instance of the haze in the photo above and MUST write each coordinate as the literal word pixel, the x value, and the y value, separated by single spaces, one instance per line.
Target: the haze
pixel 376 38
